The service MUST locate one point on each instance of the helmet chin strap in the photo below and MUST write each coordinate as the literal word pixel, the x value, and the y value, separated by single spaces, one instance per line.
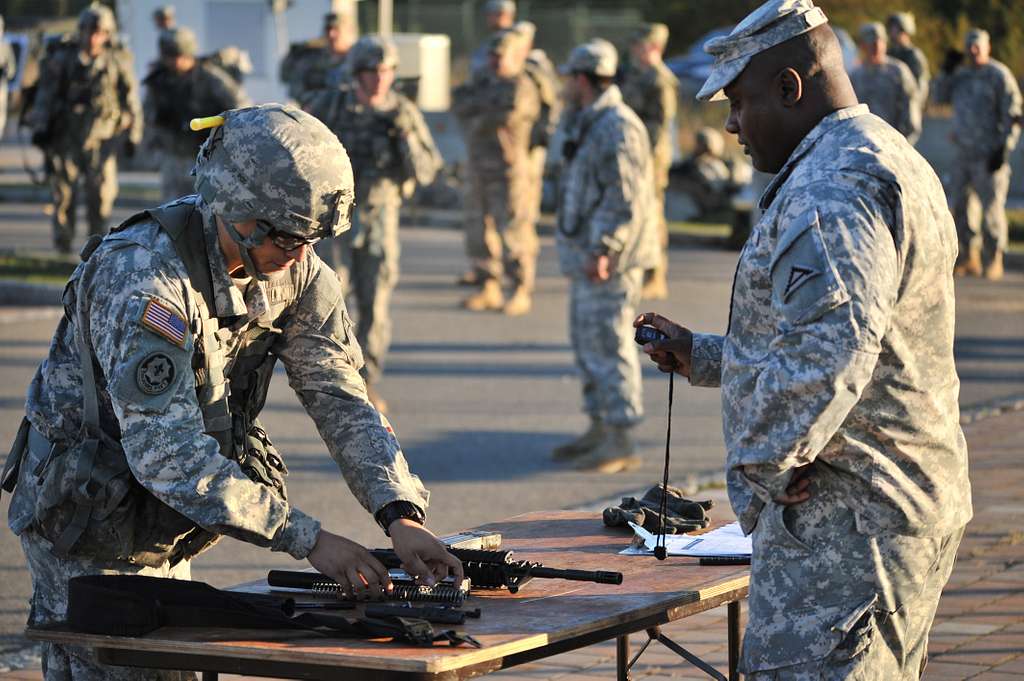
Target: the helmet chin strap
pixel 247 242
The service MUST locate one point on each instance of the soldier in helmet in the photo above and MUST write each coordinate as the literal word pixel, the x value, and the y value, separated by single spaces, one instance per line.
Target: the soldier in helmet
pixel 650 89
pixel 180 88
pixel 885 84
pixel 497 110
pixel 902 26
pixel 174 306
pixel 390 147
pixel 8 68
pixel 86 104
pixel 499 15
pixel 315 64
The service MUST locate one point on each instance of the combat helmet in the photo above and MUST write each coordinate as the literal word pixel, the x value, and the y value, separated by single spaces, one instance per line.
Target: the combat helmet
pixel 97 17
pixel 279 166
pixel 370 52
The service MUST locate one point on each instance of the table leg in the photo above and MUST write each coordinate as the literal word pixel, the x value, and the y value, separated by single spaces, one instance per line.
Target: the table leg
pixel 622 658
pixel 210 676
pixel 734 640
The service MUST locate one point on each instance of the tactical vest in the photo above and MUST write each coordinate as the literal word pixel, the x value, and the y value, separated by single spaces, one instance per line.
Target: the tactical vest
pixel 106 514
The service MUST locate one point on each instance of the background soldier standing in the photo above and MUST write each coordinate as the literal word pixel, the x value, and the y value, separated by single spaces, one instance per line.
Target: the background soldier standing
pixel 314 64
pixel 87 100
pixel 179 89
pixel 164 18
pixel 885 84
pixel 179 302
pixel 650 89
pixel 606 237
pixel 389 145
pixel 986 109
pixel 8 69
pixel 902 28
pixel 497 110
pixel 499 15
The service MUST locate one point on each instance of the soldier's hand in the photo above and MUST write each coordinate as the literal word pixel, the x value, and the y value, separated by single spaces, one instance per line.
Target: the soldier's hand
pixel 423 555
pixel 798 490
pixel 670 355
pixel 599 267
pixel 350 565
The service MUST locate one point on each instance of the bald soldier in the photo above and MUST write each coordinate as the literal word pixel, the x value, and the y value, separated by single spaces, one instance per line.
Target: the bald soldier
pixel 142 444
pixel 986 128
pixel 885 84
pixel 845 458
pixel 650 89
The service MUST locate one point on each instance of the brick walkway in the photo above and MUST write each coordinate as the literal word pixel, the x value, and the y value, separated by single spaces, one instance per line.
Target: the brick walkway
pixel 979 630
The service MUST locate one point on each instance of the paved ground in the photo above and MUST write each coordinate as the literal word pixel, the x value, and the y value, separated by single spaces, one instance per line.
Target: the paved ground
pixel 480 399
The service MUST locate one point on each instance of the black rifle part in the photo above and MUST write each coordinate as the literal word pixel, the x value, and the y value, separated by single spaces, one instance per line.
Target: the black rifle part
pixel 404 589
pixel 498 570
pixel 437 614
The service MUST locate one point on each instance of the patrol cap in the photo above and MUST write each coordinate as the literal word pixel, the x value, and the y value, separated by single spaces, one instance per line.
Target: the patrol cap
pixel 651 33
pixel 503 41
pixel 904 20
pixel 499 7
pixel 597 56
pixel 871 32
pixel 771 24
pixel 976 36
pixel 164 12
pixel 97 17
pixel 179 41
pixel 337 19
pixel 370 52
pixel 278 165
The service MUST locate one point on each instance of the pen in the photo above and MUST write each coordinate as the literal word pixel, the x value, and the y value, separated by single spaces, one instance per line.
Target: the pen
pixel 725 560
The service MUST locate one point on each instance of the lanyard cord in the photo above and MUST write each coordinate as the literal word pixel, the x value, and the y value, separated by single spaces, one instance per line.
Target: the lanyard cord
pixel 660 550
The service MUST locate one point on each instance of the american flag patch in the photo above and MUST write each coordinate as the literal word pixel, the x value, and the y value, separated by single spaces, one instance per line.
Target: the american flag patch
pixel 164 322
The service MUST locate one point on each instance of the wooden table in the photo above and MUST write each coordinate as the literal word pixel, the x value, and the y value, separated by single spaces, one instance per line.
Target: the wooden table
pixel 545 618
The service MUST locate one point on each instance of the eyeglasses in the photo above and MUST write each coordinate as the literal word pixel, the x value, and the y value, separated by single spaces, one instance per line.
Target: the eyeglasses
pixel 289 242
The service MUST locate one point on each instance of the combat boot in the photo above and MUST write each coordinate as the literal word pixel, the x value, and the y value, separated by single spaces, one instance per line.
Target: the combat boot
pixel 969 265
pixel 613 455
pixel 489 297
pixel 581 445
pixel 519 304
pixel 994 269
pixel 378 402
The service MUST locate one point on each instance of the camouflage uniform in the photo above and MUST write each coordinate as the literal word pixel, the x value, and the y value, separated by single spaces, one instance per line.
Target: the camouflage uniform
pixel 82 107
pixel 890 92
pixel 8 69
pixel 497 116
pixel 986 100
pixel 652 92
pixel 839 354
pixel 605 204
pixel 314 65
pixel 161 489
pixel 172 100
pixel 388 146
pixel 910 54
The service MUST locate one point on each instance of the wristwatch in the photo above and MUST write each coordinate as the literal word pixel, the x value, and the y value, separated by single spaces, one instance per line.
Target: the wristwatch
pixel 398 509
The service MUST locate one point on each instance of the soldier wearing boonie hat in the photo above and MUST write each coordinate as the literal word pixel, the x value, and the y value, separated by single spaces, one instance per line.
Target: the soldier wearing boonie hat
pixel 174 306
pixel 987 109
pixel 885 84
pixel 845 460
pixel 650 89
pixel 606 237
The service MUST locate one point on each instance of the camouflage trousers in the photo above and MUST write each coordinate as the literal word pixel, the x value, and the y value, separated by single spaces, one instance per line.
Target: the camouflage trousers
pixel 366 259
pixel 991 190
pixel 538 155
pixel 50 577
pixel 829 602
pixel 175 180
pixel 97 169
pixel 601 330
pixel 501 237
pixel 661 269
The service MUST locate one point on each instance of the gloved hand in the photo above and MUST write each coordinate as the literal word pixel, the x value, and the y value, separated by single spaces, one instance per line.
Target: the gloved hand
pixel 952 60
pixel 681 514
pixel 998 159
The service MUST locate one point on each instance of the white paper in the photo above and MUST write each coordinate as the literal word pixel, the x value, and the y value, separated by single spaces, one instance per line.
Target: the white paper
pixel 727 540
